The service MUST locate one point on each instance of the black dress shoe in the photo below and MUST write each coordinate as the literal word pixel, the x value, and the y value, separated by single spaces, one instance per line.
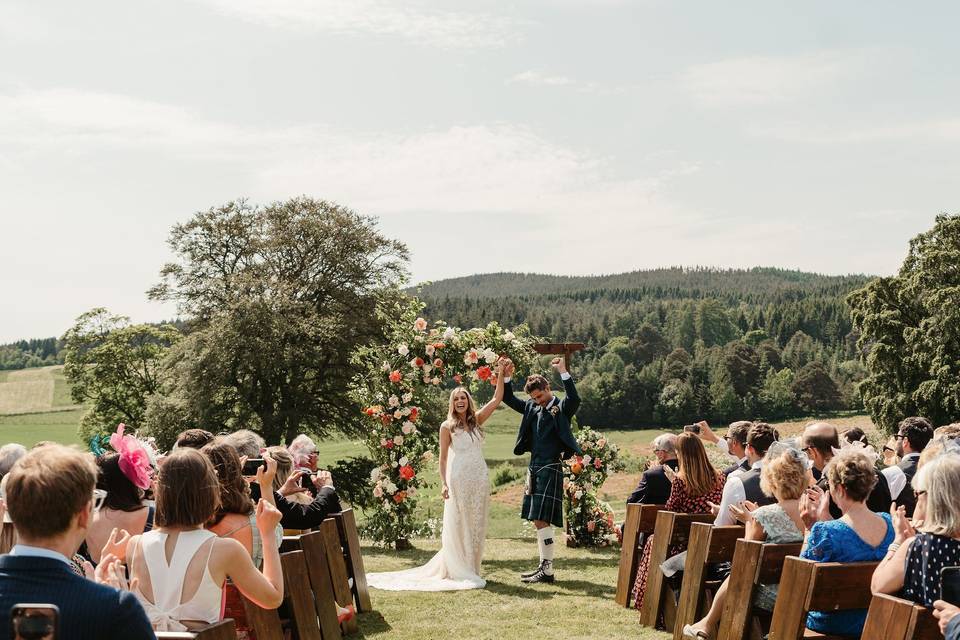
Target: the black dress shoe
pixel 539 576
pixel 530 574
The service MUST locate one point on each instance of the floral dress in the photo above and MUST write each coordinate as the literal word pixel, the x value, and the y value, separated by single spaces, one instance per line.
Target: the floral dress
pixel 681 502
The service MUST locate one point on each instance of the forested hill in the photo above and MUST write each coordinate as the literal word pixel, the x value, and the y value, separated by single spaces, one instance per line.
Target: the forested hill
pixel 673 344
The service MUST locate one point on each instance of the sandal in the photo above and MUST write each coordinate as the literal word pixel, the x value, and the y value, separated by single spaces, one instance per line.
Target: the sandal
pixel 695 634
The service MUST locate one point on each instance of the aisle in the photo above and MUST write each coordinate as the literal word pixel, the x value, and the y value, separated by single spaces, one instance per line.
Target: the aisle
pixel 580 604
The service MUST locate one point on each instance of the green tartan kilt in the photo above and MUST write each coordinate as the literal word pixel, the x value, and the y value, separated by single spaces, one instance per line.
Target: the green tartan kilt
pixel 543 498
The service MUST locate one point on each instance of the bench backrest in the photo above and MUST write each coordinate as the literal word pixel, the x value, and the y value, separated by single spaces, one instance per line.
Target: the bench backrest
pixel 708 545
pixel 811 586
pixel 223 630
pixel 299 596
pixel 318 568
pixel 754 563
pixel 640 522
pixel 350 540
pixel 891 618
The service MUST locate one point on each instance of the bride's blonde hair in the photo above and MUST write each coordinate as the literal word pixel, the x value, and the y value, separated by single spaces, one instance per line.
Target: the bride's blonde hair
pixel 469 422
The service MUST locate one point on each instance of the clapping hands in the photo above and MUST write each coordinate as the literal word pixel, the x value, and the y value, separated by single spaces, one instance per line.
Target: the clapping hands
pixel 902 528
pixel 743 512
pixel 814 506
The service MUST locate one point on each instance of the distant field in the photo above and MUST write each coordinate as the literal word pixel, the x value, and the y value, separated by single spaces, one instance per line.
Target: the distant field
pixel 34 390
pixel 30 428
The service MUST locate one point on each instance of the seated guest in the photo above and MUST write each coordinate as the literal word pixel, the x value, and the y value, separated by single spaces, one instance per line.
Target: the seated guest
pixel 194 439
pixel 913 434
pixel 733 444
pixel 304 453
pixel 820 439
pixel 855 434
pixel 860 535
pixel 946 614
pixel 122 509
pixel 49 494
pixel 181 567
pixel 9 454
pixel 890 457
pixel 284 470
pixel 746 485
pixel 912 565
pixel 695 486
pixel 247 443
pixel 654 487
pixel 8 533
pixel 784 477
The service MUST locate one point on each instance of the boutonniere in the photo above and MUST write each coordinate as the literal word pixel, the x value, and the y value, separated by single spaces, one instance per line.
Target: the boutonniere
pixel 554 410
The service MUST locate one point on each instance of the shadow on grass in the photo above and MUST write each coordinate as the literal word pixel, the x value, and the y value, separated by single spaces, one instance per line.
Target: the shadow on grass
pixel 372 622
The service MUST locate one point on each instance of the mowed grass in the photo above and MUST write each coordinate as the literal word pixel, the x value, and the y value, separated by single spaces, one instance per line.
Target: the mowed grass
pixel 30 428
pixel 34 390
pixel 580 604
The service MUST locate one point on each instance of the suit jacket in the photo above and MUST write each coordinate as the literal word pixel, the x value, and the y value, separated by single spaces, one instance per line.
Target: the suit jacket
pixel 654 487
pixel 906 498
pixel 878 501
pixel 560 424
pixel 88 611
pixel 751 488
pixel 304 516
pixel 743 466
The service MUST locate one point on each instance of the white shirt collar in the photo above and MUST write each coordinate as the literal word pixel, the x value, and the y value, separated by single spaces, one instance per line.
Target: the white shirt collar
pixel 756 465
pixel 911 455
pixel 24 550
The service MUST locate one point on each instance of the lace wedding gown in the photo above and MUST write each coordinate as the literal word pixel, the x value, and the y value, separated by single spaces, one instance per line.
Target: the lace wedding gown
pixel 457 565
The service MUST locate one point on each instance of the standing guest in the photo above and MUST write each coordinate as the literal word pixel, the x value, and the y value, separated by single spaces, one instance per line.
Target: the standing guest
pixel 284 471
pixel 820 440
pixel 50 498
pixel 304 453
pixel 859 535
pixel 695 486
pixel 913 435
pixel 654 486
pixel 746 485
pixel 179 557
pixel 783 476
pixel 9 454
pixel 247 443
pixel 734 444
pixel 194 439
pixel 913 562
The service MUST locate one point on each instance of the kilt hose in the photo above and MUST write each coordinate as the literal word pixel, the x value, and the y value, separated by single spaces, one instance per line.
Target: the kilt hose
pixel 543 497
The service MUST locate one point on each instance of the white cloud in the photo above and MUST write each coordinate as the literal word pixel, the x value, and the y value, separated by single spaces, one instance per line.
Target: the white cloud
pixel 933 129
pixel 762 80
pixel 539 79
pixel 445 29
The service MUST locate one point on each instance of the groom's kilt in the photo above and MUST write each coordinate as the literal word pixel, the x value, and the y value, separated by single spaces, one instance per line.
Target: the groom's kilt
pixel 543 498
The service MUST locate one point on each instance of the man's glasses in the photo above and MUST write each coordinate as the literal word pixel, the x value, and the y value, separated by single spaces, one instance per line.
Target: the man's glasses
pixel 99 495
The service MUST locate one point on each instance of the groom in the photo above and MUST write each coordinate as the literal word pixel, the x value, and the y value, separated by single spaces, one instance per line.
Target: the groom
pixel 544 432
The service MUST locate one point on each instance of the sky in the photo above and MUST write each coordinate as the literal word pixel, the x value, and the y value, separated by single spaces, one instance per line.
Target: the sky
pixel 553 136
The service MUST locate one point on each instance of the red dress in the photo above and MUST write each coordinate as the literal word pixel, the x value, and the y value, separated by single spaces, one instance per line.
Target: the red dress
pixel 681 502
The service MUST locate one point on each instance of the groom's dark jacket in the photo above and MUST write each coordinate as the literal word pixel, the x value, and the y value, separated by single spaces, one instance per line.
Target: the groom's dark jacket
pixel 553 439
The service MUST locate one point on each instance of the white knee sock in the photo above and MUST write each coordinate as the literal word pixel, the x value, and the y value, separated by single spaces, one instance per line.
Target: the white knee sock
pixel 545 544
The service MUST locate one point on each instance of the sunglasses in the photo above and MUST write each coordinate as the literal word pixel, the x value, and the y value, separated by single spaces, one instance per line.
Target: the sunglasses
pixel 917 494
pixel 890 449
pixel 99 495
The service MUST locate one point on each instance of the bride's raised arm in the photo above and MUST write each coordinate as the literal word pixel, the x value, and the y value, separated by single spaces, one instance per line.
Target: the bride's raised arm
pixel 487 410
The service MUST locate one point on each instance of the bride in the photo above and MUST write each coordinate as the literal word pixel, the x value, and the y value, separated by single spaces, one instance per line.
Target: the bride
pixel 466 494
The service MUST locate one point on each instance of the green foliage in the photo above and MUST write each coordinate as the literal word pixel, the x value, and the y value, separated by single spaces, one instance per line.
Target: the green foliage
pixel 353 481
pixel 24 354
pixel 909 329
pixel 114 366
pixel 506 473
pixel 776 398
pixel 279 297
pixel 815 390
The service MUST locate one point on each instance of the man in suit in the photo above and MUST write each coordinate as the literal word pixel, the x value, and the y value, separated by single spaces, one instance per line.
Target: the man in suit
pixel 546 434
pixel 50 497
pixel 654 486
pixel 913 435
pixel 733 444
pixel 746 485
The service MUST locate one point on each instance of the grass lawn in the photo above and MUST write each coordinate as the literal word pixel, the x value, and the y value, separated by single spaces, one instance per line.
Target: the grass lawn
pixel 30 428
pixel 580 604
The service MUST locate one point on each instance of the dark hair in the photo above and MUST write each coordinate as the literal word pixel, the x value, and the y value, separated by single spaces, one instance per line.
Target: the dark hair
pixel 234 490
pixel 122 495
pixel 738 431
pixel 188 493
pixel 194 438
pixel 760 436
pixel 47 488
pixel 536 382
pixel 855 434
pixel 918 432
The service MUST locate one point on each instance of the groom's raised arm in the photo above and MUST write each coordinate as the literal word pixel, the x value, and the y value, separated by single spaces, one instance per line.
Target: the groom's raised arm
pixel 572 400
pixel 511 400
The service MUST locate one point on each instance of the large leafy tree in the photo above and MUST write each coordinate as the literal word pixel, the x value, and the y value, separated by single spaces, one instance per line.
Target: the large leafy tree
pixel 114 367
pixel 909 328
pixel 278 297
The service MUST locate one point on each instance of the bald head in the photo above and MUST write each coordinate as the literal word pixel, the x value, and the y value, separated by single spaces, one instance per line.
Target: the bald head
pixel 820 439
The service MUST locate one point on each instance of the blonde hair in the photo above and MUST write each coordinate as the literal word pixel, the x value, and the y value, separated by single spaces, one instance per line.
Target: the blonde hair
pixel 784 476
pixel 695 468
pixel 469 422
pixel 940 478
pixel 852 469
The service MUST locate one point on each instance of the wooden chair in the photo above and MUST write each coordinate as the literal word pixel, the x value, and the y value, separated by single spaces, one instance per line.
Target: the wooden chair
pixel 299 598
pixel 223 630
pixel 708 545
pixel 817 586
pixel 350 541
pixel 265 623
pixel 318 568
pixel 891 618
pixel 338 570
pixel 640 521
pixel 754 563
pixel 671 529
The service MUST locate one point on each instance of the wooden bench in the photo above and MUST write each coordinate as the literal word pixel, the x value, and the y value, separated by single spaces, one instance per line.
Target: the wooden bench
pixel 223 630
pixel 708 545
pixel 891 618
pixel 299 598
pixel 817 586
pixel 754 563
pixel 640 521
pixel 671 529
pixel 322 581
pixel 350 541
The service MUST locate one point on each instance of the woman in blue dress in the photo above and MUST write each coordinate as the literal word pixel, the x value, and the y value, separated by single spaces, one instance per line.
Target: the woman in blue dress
pixel 860 535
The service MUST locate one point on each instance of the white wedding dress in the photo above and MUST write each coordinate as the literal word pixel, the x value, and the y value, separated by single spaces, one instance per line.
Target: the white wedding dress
pixel 457 565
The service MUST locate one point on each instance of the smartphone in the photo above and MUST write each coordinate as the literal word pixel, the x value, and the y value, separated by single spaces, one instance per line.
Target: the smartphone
pixel 950 585
pixel 692 428
pixel 35 622
pixel 251 465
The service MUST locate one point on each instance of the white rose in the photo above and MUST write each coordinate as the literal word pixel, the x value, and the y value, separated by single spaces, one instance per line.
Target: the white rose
pixel 397 414
pixel 509 336
pixel 406 411
pixel 403 461
pixel 578 495
pixel 418 338
pixel 407 428
pixel 394 401
pixel 427 455
pixel 448 333
pixel 430 350
pixel 389 487
pixel 398 440
pixel 403 350
pixel 587 459
pixel 490 356
pixel 420 324
pixel 435 381
pixel 375 474
pixel 378 491
pixel 407 397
